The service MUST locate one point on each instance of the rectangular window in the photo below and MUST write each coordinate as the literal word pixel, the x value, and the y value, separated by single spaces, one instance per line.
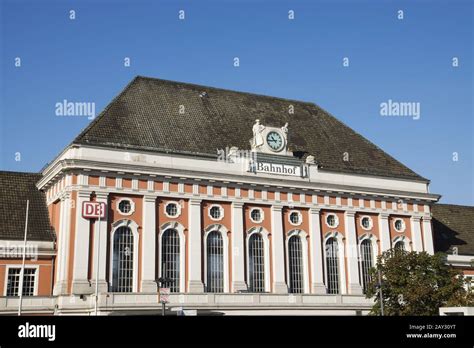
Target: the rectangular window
pixel 13 281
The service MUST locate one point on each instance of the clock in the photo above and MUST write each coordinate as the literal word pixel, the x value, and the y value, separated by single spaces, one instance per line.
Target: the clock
pixel 275 141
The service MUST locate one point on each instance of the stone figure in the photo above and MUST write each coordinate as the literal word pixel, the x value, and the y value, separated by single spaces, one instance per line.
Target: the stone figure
pixel 257 134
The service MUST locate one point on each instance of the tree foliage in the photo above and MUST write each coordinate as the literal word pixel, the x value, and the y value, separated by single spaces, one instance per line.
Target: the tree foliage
pixel 416 284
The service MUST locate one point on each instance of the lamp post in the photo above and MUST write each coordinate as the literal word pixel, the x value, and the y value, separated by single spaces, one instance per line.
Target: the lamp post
pixel 161 281
pixel 380 292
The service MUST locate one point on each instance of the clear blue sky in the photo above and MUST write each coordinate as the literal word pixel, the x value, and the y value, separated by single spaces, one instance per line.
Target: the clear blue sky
pixel 404 60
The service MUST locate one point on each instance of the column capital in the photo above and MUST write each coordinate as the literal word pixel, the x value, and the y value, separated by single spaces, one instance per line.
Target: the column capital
pixel 65 195
pixel 427 218
pixel 149 198
pixel 194 201
pixel 237 205
pixel 415 218
pixel 84 194
pixel 101 195
pixel 277 208
pixel 350 213
pixel 315 211
pixel 384 215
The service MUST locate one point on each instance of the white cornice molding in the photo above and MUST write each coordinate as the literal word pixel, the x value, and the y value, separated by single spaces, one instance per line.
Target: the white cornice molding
pixel 80 162
pixel 461 260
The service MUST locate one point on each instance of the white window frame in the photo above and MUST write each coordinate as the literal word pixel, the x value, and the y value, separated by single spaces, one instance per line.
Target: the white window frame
pixel 304 244
pixel 266 254
pixel 336 220
pixel 342 261
pixel 178 209
pixel 262 215
pixel 300 217
pixel 404 239
pixel 371 222
pixel 9 266
pixel 136 240
pixel 182 251
pixel 132 206
pixel 225 239
pixel 221 210
pixel 404 227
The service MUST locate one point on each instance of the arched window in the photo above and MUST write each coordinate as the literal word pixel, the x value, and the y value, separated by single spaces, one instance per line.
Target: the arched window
pixel 295 265
pixel 256 263
pixel 400 245
pixel 332 266
pixel 366 262
pixel 122 268
pixel 170 259
pixel 215 262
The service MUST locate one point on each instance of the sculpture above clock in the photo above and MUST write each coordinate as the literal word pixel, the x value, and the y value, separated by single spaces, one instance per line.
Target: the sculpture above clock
pixel 268 139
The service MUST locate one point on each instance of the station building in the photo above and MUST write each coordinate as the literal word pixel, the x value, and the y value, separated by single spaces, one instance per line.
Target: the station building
pixel 238 203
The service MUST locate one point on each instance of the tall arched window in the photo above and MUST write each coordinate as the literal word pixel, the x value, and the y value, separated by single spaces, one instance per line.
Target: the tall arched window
pixel 295 265
pixel 215 262
pixel 366 262
pixel 170 255
pixel 122 262
pixel 332 266
pixel 256 263
pixel 400 245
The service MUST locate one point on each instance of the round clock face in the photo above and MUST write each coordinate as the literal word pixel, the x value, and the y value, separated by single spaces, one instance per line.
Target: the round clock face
pixel 275 141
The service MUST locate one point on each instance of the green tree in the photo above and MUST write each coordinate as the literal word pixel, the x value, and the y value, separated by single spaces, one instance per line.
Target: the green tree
pixel 416 284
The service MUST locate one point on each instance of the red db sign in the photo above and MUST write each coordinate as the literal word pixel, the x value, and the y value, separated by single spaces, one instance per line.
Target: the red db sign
pixel 93 210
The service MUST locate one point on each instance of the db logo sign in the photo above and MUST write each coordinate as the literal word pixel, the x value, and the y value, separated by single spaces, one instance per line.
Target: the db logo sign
pixel 93 210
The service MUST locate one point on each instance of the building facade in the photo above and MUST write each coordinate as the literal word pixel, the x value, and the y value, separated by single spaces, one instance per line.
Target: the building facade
pixel 238 203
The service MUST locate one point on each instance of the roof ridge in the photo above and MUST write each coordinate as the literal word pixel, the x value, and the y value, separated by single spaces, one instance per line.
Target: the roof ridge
pixel 17 172
pixel 224 89
pixel 454 205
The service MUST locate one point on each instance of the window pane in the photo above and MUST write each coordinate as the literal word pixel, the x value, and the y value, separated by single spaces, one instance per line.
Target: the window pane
pixel 332 266
pixel 295 257
pixel 366 262
pixel 215 263
pixel 170 259
pixel 122 268
pixel 400 245
pixel 256 264
pixel 13 282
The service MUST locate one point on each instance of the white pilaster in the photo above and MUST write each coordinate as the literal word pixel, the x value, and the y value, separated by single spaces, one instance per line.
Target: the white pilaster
pixel 60 287
pixel 238 250
pixel 428 235
pixel 148 282
pixel 195 283
pixel 352 254
pixel 415 222
pixel 317 263
pixel 278 251
pixel 80 283
pixel 102 245
pixel 385 243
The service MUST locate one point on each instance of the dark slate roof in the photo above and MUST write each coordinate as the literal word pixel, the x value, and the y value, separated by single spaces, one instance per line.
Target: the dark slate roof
pixel 453 226
pixel 15 189
pixel 144 116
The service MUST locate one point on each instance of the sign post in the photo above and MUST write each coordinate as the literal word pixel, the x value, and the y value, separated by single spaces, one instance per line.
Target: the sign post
pixel 95 210
pixel 164 298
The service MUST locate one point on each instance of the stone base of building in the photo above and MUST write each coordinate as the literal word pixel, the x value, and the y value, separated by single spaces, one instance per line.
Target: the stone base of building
pixel 200 304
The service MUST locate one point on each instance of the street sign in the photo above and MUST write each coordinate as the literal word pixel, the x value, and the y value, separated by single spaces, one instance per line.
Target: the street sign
pixel 93 210
pixel 164 295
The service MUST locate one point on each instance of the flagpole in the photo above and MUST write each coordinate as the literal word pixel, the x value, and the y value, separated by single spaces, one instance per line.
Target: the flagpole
pixel 22 272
